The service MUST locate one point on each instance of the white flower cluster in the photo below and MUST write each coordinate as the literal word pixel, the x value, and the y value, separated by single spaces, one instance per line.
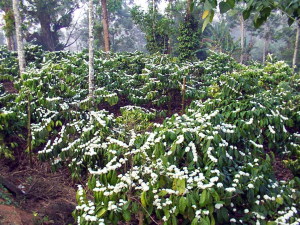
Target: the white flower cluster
pixel 87 208
pixel 256 145
pixel 210 156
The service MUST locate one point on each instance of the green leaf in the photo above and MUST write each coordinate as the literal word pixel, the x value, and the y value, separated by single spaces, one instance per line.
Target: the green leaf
pixel 212 220
pixel 224 7
pixel 279 200
pixel 224 214
pixel 179 185
pixel 101 212
pixel 127 215
pixel 203 198
pixel 206 22
pixel 195 221
pixel 49 128
pixel 231 3
pixel 182 205
pixel 205 221
pixel 246 14
pixel 174 220
pixel 290 21
pixel 144 199
pixel 258 21
pixel 192 6
pixel 162 193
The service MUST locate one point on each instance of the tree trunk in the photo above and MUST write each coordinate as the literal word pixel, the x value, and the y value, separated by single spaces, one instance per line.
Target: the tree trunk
pixel 10 43
pixel 296 44
pixel 188 8
pixel 242 38
pixel 21 54
pixel 11 187
pixel 153 20
pixel 9 28
pixel 266 42
pixel 46 33
pixel 169 15
pixel 91 49
pixel 105 26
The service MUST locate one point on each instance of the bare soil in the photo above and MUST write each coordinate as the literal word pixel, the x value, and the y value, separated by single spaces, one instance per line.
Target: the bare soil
pixel 49 196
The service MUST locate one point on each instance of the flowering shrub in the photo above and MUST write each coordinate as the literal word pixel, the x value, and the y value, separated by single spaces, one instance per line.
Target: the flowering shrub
pixel 193 169
pixel 211 165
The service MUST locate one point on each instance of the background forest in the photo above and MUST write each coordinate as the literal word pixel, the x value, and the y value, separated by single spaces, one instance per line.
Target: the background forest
pixel 152 26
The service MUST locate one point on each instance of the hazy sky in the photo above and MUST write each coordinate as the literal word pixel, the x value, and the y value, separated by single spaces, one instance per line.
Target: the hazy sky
pixel 144 4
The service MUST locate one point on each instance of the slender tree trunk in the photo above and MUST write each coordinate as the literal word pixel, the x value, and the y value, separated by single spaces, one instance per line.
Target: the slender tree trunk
pixel 10 43
pixel 296 44
pixel 188 8
pixel 169 15
pixel 21 54
pixel 153 19
pixel 105 26
pixel 266 42
pixel 29 137
pixel 91 49
pixel 9 28
pixel 242 38
pixel 14 42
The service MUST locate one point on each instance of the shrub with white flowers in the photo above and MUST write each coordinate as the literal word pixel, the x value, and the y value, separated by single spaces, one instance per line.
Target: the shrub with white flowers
pixel 211 165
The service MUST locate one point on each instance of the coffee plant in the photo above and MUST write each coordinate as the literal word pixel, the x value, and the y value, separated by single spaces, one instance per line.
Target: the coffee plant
pixel 212 164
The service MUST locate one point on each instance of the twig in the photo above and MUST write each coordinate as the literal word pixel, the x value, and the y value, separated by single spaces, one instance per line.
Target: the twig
pixel 145 210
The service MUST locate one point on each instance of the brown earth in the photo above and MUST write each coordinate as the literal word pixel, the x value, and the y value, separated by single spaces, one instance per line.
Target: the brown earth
pixel 11 215
pixel 281 171
pixel 9 86
pixel 49 196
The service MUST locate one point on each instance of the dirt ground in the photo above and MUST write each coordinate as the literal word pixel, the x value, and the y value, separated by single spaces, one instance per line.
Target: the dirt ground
pixel 49 196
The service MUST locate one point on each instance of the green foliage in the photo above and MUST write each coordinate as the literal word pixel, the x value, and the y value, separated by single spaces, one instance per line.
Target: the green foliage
pixel 136 118
pixel 188 39
pixel 9 23
pixel 221 39
pixel 6 197
pixel 52 16
pixel 261 9
pixel 156 27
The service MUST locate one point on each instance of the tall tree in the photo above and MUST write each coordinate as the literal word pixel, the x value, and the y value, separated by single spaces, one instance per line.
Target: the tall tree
pixel 243 36
pixel 91 49
pixel 266 41
pixel 9 20
pixel 296 44
pixel 189 41
pixel 105 26
pixel 235 19
pixel 21 54
pixel 52 16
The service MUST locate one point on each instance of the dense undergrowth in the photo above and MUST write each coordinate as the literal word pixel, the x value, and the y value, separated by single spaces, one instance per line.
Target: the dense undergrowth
pixel 210 165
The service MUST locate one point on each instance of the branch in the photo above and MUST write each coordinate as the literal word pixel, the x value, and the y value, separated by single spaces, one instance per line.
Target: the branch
pixel 66 44
pixel 29 37
pixel 11 187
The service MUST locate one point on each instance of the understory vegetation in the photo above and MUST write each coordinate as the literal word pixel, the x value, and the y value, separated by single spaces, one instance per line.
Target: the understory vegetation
pixel 146 160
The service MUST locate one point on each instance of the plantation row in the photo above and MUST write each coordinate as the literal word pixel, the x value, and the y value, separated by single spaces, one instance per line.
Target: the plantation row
pixel 210 165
